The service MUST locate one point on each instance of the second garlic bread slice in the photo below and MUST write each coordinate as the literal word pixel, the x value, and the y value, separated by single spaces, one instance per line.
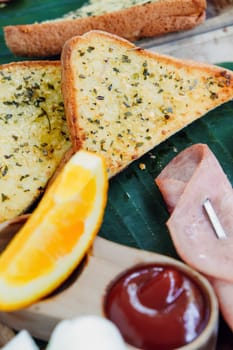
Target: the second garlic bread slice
pixel 122 101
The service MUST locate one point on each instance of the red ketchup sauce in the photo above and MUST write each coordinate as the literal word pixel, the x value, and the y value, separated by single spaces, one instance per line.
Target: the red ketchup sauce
pixel 157 307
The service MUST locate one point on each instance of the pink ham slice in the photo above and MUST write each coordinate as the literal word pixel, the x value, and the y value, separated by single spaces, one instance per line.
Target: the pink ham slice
pixel 190 178
pixel 224 292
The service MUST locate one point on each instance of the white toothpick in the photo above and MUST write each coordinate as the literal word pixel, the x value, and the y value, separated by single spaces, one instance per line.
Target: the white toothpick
pixel 220 233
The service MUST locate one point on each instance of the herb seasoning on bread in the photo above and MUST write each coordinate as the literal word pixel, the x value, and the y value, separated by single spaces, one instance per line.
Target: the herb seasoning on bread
pixel 34 134
pixel 122 101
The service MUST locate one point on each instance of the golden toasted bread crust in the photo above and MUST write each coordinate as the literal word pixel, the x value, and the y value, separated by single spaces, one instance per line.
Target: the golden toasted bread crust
pixel 30 64
pixel 122 101
pixel 148 20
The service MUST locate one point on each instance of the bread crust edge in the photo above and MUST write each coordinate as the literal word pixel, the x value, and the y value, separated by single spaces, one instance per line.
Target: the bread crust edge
pixel 148 20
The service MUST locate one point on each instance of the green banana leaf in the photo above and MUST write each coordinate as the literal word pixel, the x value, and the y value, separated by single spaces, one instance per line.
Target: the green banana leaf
pixel 136 213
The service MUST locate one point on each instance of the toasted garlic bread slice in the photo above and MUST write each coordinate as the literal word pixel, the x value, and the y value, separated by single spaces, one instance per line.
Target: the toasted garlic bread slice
pixel 34 133
pixel 132 19
pixel 122 101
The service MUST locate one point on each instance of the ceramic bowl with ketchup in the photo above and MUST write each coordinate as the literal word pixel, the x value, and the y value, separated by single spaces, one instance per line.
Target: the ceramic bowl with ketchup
pixel 163 306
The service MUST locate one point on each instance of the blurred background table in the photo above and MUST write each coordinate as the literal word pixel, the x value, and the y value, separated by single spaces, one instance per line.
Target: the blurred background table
pixel 210 42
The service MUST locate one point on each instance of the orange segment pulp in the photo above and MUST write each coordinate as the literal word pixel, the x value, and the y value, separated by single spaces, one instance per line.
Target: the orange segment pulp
pixel 57 235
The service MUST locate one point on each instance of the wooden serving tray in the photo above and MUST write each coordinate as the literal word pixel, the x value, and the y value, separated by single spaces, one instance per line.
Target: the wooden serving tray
pixel 84 292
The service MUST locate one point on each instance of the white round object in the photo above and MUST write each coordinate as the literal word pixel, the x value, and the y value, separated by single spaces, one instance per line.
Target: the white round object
pixel 86 333
pixel 22 341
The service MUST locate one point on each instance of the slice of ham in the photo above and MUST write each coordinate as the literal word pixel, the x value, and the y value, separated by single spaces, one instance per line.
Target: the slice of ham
pixel 190 178
pixel 224 292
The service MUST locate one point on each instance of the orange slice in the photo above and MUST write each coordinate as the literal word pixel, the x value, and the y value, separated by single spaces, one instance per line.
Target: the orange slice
pixel 58 234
